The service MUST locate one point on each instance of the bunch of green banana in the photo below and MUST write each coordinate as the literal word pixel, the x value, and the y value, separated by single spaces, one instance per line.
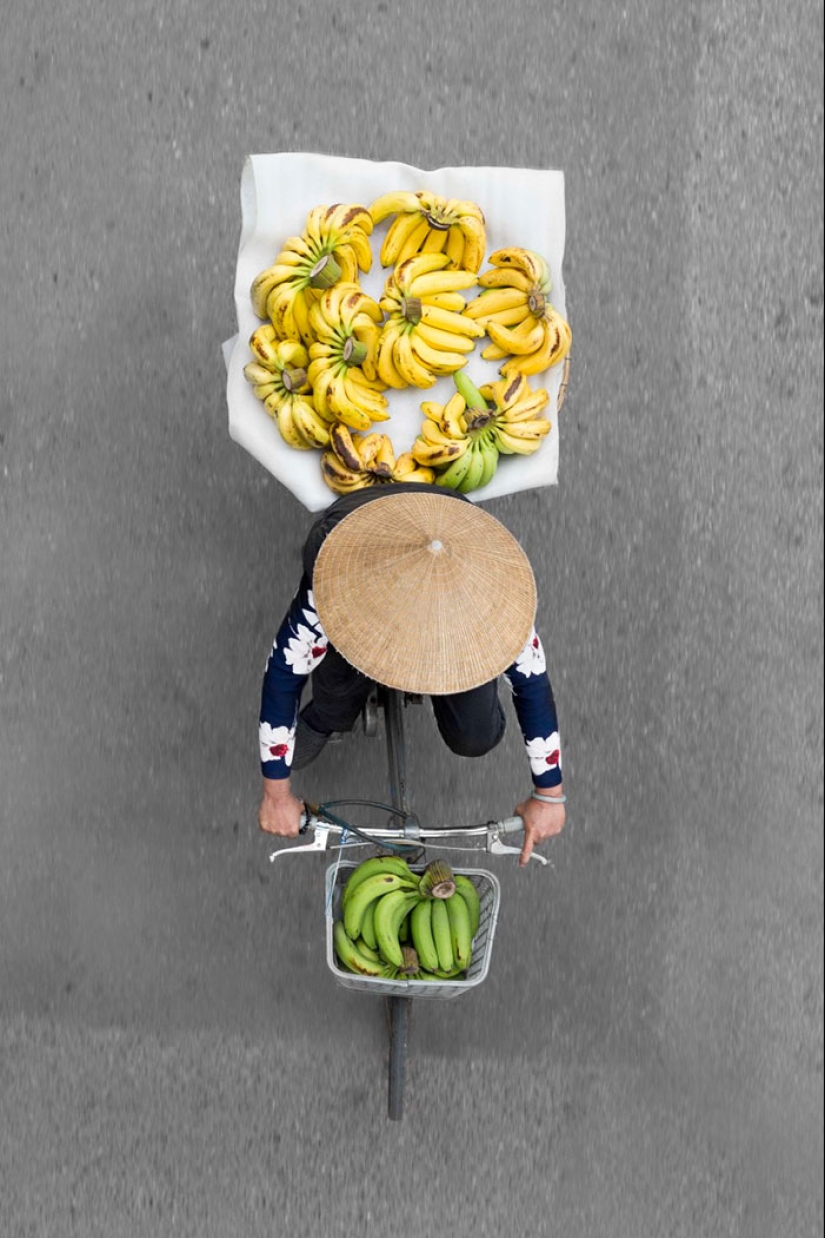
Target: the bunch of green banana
pixel 425 334
pixel 334 246
pixel 355 461
pixel 345 324
pixel 279 379
pixel 427 223
pixel 524 328
pixel 394 924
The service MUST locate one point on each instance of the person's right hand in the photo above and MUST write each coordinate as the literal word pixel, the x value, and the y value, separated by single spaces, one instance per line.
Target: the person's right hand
pixel 280 812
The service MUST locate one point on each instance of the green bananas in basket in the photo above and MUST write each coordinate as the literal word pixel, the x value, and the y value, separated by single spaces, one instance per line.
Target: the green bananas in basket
pixel 399 924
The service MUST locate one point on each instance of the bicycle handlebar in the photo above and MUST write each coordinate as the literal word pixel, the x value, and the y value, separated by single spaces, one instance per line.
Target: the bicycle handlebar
pixel 492 833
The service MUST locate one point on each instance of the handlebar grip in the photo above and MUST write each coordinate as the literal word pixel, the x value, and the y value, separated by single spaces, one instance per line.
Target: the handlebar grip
pixel 511 825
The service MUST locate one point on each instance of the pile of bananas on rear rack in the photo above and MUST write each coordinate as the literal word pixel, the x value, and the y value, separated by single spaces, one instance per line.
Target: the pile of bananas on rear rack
pixel 327 353
pixel 396 924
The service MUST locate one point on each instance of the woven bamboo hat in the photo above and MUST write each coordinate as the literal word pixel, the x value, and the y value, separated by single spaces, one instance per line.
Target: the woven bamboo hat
pixel 425 593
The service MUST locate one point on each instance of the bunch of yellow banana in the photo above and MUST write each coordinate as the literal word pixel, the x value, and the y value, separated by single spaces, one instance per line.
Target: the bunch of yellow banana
pixel 279 379
pixel 356 461
pixel 385 905
pixel 426 223
pixel 334 246
pixel 342 373
pixel 525 330
pixel 425 334
pixel 517 426
pixel 463 438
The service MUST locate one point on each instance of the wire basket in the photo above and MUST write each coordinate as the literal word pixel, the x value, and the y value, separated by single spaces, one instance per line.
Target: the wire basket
pixel 489 891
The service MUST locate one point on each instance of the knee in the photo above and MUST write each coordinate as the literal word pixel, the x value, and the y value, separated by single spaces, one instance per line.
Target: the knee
pixel 475 742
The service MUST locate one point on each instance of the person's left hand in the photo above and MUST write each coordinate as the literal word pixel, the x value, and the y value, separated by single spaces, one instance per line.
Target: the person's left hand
pixel 541 821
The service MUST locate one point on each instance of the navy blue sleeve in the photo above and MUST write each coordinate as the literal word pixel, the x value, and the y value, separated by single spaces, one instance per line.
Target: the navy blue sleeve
pixel 536 712
pixel 299 647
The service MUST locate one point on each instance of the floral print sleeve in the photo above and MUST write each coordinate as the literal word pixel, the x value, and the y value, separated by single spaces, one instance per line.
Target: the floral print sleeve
pixel 299 647
pixel 536 712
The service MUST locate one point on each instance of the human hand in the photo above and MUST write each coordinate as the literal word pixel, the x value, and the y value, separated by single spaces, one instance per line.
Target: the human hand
pixel 541 821
pixel 280 811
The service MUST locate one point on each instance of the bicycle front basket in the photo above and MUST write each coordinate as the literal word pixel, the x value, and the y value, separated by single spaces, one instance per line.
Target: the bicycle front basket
pixel 489 891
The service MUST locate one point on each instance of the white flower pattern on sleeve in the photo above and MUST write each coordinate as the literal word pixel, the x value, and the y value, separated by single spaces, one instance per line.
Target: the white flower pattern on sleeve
pixel 531 660
pixel 276 742
pixel 304 650
pixel 544 754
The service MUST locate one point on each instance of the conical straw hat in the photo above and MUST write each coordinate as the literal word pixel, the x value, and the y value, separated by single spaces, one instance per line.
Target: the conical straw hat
pixel 425 593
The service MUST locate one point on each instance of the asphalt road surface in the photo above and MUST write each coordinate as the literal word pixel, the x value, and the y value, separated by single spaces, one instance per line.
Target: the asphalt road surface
pixel 644 1059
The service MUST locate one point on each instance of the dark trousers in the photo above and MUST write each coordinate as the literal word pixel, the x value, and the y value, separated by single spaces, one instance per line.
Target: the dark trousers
pixel 471 723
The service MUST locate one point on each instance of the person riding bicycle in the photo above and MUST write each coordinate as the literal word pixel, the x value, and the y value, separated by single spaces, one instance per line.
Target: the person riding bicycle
pixel 411 587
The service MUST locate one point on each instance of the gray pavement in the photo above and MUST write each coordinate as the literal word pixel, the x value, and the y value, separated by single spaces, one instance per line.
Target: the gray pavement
pixel 645 1057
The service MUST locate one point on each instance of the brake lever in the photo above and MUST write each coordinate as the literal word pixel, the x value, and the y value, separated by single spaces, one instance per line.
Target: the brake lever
pixel 497 847
pixel 320 838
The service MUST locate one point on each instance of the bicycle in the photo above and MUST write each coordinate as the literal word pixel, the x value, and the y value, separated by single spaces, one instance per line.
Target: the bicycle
pixel 410 839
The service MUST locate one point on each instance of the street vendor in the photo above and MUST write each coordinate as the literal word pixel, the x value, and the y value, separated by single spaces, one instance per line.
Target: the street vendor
pixel 416 588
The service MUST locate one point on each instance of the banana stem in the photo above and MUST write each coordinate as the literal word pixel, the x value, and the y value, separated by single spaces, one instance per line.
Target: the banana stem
pixel 293 379
pixel 325 273
pixel 440 225
pixel 354 351
pixel 537 303
pixel 411 309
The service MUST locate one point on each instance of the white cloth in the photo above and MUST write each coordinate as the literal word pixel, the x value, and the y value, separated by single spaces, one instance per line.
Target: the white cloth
pixel 522 206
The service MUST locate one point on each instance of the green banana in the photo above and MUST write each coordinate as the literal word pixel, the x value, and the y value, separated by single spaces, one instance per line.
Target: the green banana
pixel 352 958
pixel 460 935
pixel 467 388
pixel 368 951
pixel 465 887
pixel 421 930
pixel 390 912
pixel 368 868
pixel 367 892
pixel 454 474
pixel 442 934
pixel 368 928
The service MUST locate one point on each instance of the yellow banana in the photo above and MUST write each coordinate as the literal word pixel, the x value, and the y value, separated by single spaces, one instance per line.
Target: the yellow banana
pixel 475 241
pixel 289 428
pixel 392 204
pixel 414 241
pixel 435 241
pixel 447 341
pixel 454 249
pixel 430 283
pixel 523 340
pixel 407 468
pixel 448 320
pixel 385 365
pixel 555 348
pixel 413 370
pixel 508 277
pixel 497 301
pixel 447 301
pixel 525 260
pixel 310 423
pixel 435 359
pixel 413 268
pixel 398 235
